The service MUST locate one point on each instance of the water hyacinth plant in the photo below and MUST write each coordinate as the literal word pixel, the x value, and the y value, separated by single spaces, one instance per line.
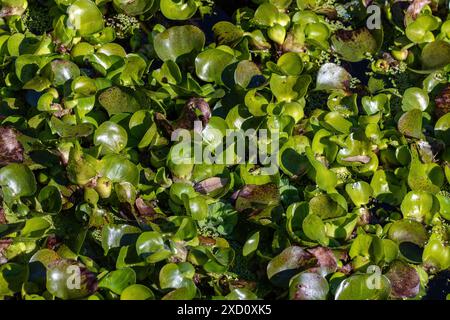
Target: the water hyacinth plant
pixel 323 130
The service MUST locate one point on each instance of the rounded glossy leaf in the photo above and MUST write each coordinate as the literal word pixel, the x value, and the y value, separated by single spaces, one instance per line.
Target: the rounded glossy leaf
pixel 85 17
pixel 315 229
pixel 112 49
pixel 442 128
pixel 137 292
pixel 60 71
pixel 134 8
pixel 364 287
pixel 84 85
pixel 119 169
pixel 118 236
pixel 210 64
pixel 427 177
pixel 35 228
pixel 359 192
pixel 196 207
pixel 289 88
pixel 179 190
pixel 176 275
pixel 436 255
pixel 248 75
pixel 151 246
pixel 325 207
pixel 444 205
pixel 291 64
pixel 295 110
pixel 178 41
pixel 435 55
pixel 256 103
pixel 266 15
pixel 373 105
pixel 408 231
pixel 277 33
pixel 420 30
pixel 118 280
pixel 178 10
pixel 111 137
pixel 415 98
pixel 387 188
pixel 241 294
pixel 419 206
pixel 17 180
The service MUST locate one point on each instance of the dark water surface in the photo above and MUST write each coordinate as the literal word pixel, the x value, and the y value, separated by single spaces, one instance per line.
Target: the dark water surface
pixel 439 286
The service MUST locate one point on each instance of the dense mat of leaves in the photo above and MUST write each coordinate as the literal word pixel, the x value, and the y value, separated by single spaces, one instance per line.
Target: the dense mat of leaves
pixel 94 205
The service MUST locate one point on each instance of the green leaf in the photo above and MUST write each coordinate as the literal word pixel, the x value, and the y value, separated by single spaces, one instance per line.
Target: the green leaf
pixel 12 277
pixel 111 137
pixel 178 41
pixel 289 88
pixel 178 10
pixel 359 192
pixel 410 124
pixel 210 64
pixel 50 199
pixel 119 169
pixel 35 228
pixel 85 17
pixel 117 236
pixel 364 287
pixel 117 100
pixel 176 275
pixel 241 294
pixel 118 280
pixel 415 98
pixel 314 229
pixel 150 245
pixel 17 180
pixel 137 292
pixel 251 245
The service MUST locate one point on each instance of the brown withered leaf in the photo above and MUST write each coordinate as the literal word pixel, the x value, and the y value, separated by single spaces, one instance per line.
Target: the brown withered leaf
pixel 442 102
pixel 326 260
pixel 2 216
pixel 210 185
pixel 143 208
pixel 11 150
pixel 414 9
pixel 404 280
